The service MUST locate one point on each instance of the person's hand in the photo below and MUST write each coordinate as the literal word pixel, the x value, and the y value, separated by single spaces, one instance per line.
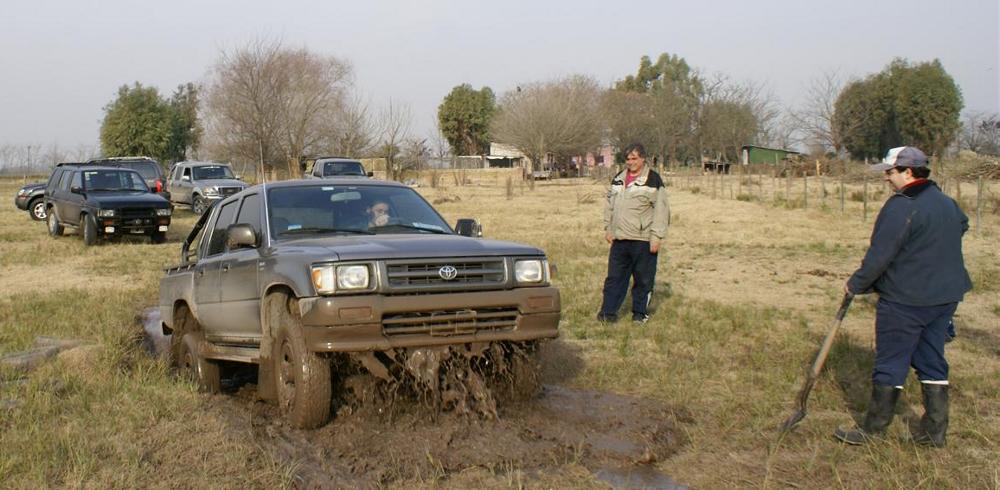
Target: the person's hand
pixel 654 246
pixel 847 290
pixel 381 220
pixel 609 236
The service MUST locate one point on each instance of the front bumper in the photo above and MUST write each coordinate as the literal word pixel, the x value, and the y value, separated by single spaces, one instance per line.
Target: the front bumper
pixel 374 322
pixel 22 202
pixel 132 226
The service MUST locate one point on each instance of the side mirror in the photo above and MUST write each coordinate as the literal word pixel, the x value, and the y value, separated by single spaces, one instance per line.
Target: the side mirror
pixel 186 178
pixel 76 189
pixel 370 174
pixel 469 227
pixel 238 177
pixel 240 235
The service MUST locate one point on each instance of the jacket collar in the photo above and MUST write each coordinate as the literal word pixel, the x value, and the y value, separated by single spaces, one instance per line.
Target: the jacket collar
pixel 916 188
pixel 639 179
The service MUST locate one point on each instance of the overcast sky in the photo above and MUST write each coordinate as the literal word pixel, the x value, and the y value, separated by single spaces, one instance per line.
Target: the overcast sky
pixel 62 61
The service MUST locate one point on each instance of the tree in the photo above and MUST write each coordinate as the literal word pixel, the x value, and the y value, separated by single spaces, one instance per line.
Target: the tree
pixel 559 117
pixel 353 133
pixel 273 104
pixel 185 128
pixel 815 118
pixel 394 124
pixel 464 117
pixel 981 134
pixel 137 122
pixel 917 105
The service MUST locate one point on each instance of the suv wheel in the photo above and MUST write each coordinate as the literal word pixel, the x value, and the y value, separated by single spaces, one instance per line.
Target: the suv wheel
pixel 199 205
pixel 302 378
pixel 203 371
pixel 89 230
pixel 36 209
pixel 55 227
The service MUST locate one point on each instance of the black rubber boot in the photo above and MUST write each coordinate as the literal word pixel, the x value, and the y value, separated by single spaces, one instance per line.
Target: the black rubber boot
pixel 880 412
pixel 934 423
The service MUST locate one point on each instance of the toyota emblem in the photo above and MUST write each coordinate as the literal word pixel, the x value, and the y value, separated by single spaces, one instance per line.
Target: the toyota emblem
pixel 448 272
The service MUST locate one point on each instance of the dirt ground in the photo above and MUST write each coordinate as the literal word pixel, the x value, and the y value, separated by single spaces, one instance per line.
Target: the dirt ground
pixel 377 442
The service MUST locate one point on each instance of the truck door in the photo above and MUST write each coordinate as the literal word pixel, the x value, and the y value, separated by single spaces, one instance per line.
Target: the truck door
pixel 240 290
pixel 207 287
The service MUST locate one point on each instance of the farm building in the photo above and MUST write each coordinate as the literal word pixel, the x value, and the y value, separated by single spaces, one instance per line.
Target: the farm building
pixel 759 154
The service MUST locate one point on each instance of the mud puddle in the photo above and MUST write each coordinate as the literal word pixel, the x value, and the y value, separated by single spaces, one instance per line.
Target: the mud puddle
pixel 380 440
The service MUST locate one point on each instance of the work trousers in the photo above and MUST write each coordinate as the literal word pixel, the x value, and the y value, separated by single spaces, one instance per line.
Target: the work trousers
pixel 910 336
pixel 629 259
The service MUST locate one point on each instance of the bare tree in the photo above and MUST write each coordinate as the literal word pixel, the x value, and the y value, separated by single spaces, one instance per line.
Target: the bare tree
pixel 394 128
pixel 981 133
pixel 353 132
pixel 272 104
pixel 815 119
pixel 560 117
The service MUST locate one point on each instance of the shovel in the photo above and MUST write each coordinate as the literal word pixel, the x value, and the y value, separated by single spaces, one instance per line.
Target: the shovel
pixel 813 375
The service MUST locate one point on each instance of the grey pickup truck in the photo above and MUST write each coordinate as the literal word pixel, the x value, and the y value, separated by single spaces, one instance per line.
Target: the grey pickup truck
pixel 293 276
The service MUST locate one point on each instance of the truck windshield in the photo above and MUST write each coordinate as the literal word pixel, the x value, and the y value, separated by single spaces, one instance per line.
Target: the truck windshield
pixel 350 210
pixel 113 180
pixel 212 172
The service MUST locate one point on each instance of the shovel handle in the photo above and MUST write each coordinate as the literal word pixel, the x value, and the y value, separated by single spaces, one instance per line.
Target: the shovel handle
pixel 830 335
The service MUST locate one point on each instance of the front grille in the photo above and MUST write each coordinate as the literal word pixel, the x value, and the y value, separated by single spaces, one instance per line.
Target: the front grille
pixel 127 213
pixel 228 191
pixel 431 275
pixel 451 322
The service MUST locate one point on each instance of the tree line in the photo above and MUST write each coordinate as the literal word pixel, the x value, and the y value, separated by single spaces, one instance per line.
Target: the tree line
pixel 275 106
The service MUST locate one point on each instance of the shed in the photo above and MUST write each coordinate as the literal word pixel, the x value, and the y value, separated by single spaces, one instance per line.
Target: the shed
pixel 760 154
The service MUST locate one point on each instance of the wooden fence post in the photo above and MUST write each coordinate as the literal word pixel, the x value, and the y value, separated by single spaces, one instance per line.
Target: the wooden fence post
pixel 864 212
pixel 979 202
pixel 843 197
pixel 805 192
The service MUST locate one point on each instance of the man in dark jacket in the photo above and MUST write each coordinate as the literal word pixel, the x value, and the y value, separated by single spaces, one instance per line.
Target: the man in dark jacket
pixel 915 264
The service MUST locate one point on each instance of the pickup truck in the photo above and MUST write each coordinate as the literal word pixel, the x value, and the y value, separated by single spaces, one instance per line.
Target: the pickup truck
pixel 305 277
pixel 199 184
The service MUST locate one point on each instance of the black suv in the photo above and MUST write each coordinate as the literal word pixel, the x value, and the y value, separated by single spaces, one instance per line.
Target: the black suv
pixel 150 170
pixel 104 201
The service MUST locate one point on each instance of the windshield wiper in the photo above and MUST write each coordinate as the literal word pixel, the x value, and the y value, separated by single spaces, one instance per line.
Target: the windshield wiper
pixel 317 229
pixel 409 227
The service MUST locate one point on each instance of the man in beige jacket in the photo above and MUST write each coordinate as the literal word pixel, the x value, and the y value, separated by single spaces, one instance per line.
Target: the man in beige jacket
pixel 635 224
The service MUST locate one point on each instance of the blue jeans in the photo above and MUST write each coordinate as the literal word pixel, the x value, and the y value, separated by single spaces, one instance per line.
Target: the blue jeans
pixel 629 259
pixel 908 336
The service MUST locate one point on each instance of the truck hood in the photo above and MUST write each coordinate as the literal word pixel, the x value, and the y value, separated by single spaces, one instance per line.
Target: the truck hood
pixel 402 247
pixel 126 199
pixel 220 183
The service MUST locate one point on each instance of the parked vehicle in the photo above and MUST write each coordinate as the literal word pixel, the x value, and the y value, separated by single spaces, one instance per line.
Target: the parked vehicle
pixel 103 202
pixel 329 167
pixel 31 198
pixel 150 170
pixel 298 276
pixel 199 184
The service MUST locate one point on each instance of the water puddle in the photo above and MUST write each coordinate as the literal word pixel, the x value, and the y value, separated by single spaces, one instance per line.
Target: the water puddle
pixel 636 477
pixel 155 342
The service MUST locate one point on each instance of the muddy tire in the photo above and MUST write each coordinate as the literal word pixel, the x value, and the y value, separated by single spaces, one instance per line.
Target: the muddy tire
pixel 55 227
pixel 302 378
pixel 89 232
pixel 192 365
pixel 199 205
pixel 36 209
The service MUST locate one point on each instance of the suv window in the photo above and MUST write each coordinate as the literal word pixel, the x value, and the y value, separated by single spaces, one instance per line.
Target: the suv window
pixel 250 212
pixel 54 179
pixel 212 172
pixel 217 243
pixel 76 180
pixel 64 180
pixel 343 168
pixel 187 172
pixel 148 170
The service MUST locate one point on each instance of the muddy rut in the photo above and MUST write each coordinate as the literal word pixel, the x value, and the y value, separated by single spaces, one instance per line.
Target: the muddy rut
pixel 389 431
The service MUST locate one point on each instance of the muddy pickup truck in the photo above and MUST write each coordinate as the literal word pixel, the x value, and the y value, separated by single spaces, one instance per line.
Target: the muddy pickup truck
pixel 307 278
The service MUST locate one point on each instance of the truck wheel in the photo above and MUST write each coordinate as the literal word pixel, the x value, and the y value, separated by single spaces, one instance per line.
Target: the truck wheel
pixel 36 209
pixel 203 371
pixel 302 378
pixel 89 230
pixel 158 237
pixel 199 205
pixel 55 227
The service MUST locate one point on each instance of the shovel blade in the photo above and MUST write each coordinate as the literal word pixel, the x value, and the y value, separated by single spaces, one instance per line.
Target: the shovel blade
pixel 793 420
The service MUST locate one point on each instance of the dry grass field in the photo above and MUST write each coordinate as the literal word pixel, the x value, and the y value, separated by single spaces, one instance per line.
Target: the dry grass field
pixel 744 293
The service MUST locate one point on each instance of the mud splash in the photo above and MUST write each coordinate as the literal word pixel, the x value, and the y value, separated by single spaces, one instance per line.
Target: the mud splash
pixel 409 415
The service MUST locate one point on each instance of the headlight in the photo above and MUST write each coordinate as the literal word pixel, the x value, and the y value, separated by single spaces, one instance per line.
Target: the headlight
pixel 531 271
pixel 329 279
pixel 23 192
pixel 163 212
pixel 211 191
pixel 105 213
